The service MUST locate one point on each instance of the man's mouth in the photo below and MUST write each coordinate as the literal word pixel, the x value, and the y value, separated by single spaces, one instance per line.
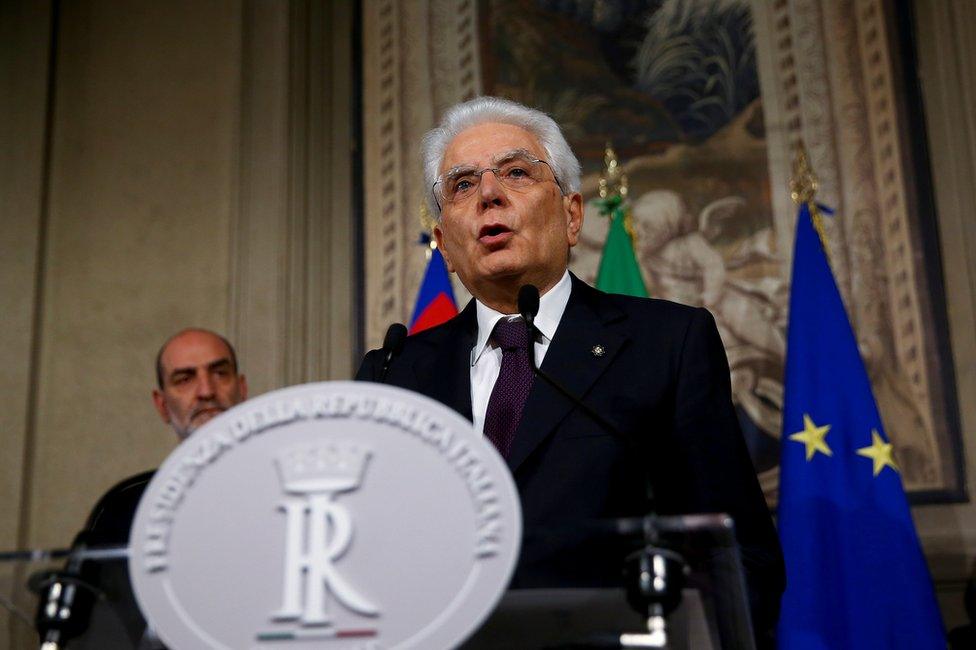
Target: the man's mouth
pixel 207 412
pixel 494 235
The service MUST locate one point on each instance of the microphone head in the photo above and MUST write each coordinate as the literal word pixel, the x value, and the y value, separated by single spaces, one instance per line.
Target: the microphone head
pixel 395 336
pixel 528 302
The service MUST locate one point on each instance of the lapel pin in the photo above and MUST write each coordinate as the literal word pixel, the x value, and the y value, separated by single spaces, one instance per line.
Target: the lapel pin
pixel 598 350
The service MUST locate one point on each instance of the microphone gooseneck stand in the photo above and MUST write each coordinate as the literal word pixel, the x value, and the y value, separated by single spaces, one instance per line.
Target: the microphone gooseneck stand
pixel 654 578
pixel 65 601
pixel 65 597
pixel 654 575
pixel 528 306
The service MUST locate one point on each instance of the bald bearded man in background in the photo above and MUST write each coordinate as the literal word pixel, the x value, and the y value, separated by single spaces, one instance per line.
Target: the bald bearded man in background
pixel 197 378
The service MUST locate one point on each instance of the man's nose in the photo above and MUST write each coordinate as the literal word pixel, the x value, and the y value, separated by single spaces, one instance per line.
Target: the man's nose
pixel 205 387
pixel 490 191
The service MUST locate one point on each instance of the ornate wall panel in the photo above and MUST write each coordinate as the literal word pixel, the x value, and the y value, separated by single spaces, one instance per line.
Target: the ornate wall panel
pixel 947 66
pixel 833 68
pixel 418 59
pixel 829 78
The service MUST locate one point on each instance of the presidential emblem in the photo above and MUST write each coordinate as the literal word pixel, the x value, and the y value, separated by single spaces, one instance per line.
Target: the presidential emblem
pixel 318 473
pixel 335 515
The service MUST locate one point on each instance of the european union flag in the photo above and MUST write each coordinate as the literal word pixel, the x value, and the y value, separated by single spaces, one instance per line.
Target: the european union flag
pixel 856 576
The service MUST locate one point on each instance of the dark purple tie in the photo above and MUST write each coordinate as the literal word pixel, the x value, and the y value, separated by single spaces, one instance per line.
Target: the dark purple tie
pixel 512 386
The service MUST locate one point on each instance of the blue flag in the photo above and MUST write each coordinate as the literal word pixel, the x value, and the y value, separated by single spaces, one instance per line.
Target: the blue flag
pixel 855 573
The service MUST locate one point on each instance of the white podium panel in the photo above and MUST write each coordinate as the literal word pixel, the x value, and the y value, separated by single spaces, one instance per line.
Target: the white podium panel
pixel 348 514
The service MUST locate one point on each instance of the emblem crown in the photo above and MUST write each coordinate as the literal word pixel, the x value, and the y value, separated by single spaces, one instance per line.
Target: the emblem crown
pixel 333 467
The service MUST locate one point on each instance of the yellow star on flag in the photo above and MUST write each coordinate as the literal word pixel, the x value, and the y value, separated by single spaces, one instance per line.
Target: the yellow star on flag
pixel 813 437
pixel 879 452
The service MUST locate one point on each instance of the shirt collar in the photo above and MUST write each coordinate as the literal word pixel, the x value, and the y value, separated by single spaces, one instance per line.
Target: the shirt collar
pixel 552 304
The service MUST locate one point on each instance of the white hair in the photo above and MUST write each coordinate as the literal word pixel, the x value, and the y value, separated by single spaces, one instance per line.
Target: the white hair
pixel 480 110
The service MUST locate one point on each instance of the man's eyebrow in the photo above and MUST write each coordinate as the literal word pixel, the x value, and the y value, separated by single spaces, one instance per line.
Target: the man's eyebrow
pixel 509 155
pixel 463 168
pixel 190 370
pixel 219 363
pixel 496 160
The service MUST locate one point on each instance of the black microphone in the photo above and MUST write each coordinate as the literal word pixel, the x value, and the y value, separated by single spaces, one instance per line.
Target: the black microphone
pixel 65 600
pixel 528 306
pixel 396 335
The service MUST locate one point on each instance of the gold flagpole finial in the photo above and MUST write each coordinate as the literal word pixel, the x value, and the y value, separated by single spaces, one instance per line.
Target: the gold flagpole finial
pixel 427 220
pixel 612 180
pixel 803 184
pixel 803 189
pixel 613 191
pixel 427 223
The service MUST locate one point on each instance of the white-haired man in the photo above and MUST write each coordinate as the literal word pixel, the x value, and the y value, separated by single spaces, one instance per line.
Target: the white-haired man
pixel 505 187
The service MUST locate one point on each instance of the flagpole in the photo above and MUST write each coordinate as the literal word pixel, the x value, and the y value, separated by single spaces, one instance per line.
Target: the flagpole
pixel 427 224
pixel 613 183
pixel 803 189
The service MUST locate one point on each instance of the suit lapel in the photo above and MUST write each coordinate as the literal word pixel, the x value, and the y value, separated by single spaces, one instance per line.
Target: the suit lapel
pixel 572 362
pixel 445 373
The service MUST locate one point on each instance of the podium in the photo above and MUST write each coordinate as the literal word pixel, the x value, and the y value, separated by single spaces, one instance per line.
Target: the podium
pixel 358 517
pixel 711 614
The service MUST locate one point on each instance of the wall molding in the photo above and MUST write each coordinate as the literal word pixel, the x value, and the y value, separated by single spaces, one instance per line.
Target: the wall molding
pixel 419 59
pixel 292 234
pixel 839 96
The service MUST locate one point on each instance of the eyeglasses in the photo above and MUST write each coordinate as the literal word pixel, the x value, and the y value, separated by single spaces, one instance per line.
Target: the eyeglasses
pixel 515 171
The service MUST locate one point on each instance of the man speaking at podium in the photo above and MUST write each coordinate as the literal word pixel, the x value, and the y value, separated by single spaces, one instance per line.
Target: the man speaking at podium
pixel 504 186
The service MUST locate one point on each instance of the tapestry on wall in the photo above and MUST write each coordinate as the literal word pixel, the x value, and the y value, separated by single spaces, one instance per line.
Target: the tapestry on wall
pixel 699 98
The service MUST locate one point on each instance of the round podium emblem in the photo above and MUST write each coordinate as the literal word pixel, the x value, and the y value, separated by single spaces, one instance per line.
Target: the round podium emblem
pixel 333 515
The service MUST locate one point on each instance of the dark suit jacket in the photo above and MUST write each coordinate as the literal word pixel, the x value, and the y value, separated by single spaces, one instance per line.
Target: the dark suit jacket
pixel 108 525
pixel 663 381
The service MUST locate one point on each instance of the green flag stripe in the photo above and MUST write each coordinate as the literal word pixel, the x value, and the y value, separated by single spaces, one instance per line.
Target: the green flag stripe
pixel 619 271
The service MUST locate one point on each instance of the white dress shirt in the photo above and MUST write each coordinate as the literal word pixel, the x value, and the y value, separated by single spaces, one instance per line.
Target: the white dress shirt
pixel 486 357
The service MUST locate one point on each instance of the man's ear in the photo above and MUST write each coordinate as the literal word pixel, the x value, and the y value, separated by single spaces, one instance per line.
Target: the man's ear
pixel 159 401
pixel 439 238
pixel 573 205
pixel 242 380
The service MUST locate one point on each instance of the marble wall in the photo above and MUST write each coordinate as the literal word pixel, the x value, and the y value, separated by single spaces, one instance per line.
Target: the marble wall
pixel 163 164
